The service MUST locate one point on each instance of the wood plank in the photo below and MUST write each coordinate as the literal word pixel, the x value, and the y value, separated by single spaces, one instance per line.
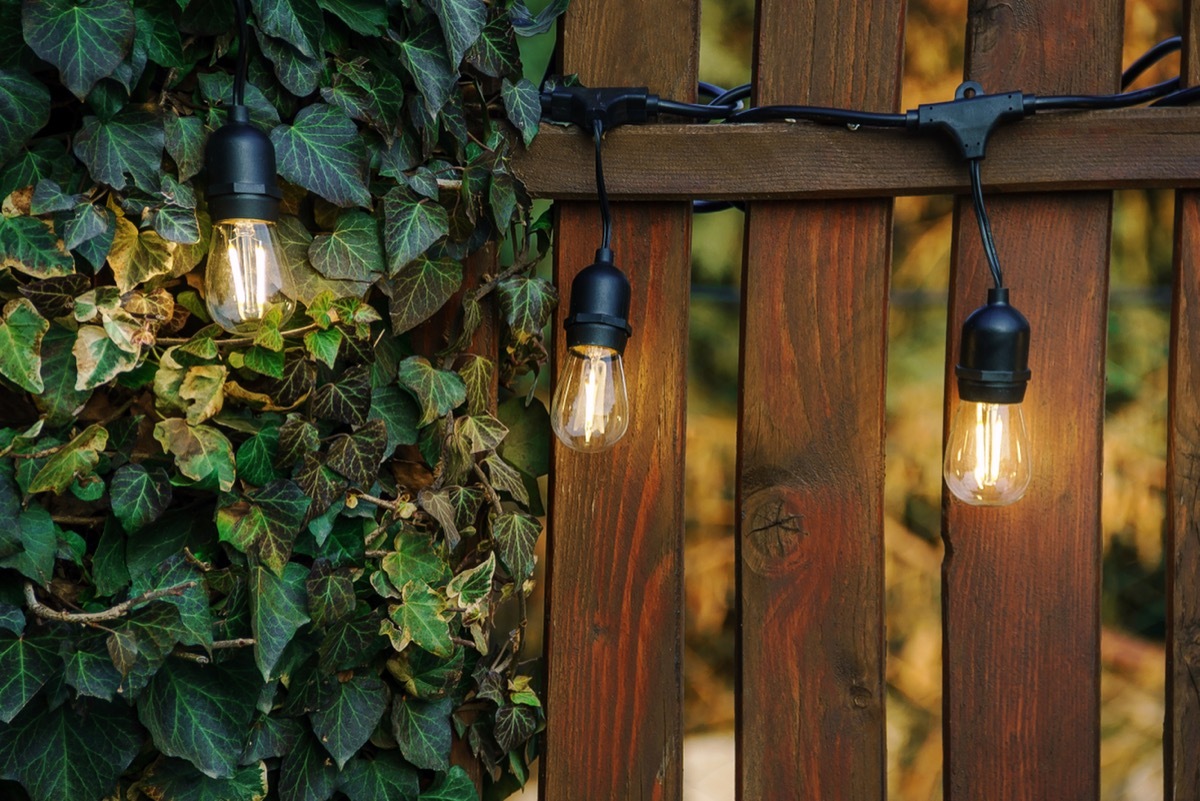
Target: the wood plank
pixel 1052 151
pixel 810 475
pixel 1181 736
pixel 614 633
pixel 1021 583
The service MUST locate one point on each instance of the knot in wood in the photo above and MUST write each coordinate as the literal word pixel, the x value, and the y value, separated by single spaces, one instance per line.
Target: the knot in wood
pixel 774 531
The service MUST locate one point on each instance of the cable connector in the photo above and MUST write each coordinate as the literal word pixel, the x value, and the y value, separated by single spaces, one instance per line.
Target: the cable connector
pixel 971 117
pixel 610 106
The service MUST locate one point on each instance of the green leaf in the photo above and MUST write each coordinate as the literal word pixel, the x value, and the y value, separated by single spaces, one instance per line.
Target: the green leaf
pixel 136 256
pixel 420 289
pixel 352 643
pixel 184 139
pixel 86 42
pixel 411 226
pixel 527 304
pixel 140 644
pixel 158 35
pixel 322 485
pixel 423 53
pixel 98 359
pixel 271 737
pixel 24 110
pixel 527 23
pixel 42 158
pixel 502 197
pixel 90 232
pixel 506 478
pixel 422 619
pixel 366 17
pixel 399 413
pixel 48 198
pixel 477 373
pixel 34 537
pixel 12 619
pixel 267 526
pixel 527 446
pixel 299 74
pixel 55 297
pixel 516 536
pixel 60 401
pixel 202 453
pixel 264 361
pixel 89 668
pixel 200 713
pixel 202 392
pixel 427 676
pixel 454 786
pixel 523 103
pixel 177 780
pixel 422 728
pixel 482 431
pixel 331 596
pixel 323 346
pixel 357 456
pixel 307 774
pixel 277 612
pixel 438 391
pixel 323 153
pixel 415 559
pixel 495 54
pixel 139 496
pixel 387 777
pixel 129 143
pixel 307 284
pixel 462 22
pixel 78 457
pixel 297 437
pixel 29 245
pixel 25 665
pixel 195 618
pixel 296 21
pixel 354 251
pixel 514 725
pixel 347 712
pixel 437 505
pixel 69 752
pixel 471 588
pixel 110 573
pixel 21 333
pixel 346 400
pixel 177 225
pixel 256 457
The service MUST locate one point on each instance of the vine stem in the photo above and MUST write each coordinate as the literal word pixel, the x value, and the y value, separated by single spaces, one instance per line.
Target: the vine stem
pixel 112 613
pixel 218 645
pixel 380 502
pixel 236 342
pixel 488 489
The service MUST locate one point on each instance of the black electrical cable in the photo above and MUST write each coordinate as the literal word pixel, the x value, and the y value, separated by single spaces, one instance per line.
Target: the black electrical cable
pixel 827 116
pixel 1182 97
pixel 985 224
pixel 735 95
pixel 700 111
pixel 710 89
pixel 1122 100
pixel 1148 59
pixel 239 80
pixel 710 206
pixel 601 191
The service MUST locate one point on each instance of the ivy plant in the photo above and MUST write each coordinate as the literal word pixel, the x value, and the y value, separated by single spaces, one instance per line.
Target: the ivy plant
pixel 291 564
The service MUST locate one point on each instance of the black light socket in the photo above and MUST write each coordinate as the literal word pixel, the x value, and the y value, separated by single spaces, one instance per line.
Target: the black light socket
pixel 241 171
pixel 599 310
pixel 993 361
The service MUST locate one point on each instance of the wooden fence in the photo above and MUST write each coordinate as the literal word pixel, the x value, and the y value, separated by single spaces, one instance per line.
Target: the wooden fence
pixel 1021 584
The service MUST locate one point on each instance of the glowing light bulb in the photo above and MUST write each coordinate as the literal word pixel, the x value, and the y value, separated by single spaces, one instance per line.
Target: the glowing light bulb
pixel 987 454
pixel 590 411
pixel 243 280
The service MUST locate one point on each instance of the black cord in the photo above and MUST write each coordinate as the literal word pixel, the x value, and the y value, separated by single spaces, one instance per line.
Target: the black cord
pixel 1182 97
pixel 710 89
pixel 735 95
pixel 1122 100
pixel 700 111
pixel 985 224
pixel 239 80
pixel 828 116
pixel 1148 59
pixel 605 211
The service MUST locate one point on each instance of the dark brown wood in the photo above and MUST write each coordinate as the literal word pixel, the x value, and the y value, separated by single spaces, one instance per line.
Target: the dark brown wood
pixel 614 634
pixel 1059 151
pixel 1181 740
pixel 811 685
pixel 1021 583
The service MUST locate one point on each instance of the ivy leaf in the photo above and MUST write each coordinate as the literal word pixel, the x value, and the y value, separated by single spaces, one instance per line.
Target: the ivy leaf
pixel 516 536
pixel 361 16
pixel 527 304
pixel 89 668
pixel 179 781
pixel 195 619
pixel 421 618
pixel 323 345
pixel 307 284
pixel 470 589
pixel 139 496
pixel 264 361
pixel 31 544
pixel 77 458
pixel 129 143
pixel 423 53
pixel 307 774
pixel 21 333
pixel 202 453
pixel 415 559
pixel 526 23
pixel 422 728
pixel 331 596
pixel 482 431
pixel 42 158
pixel 477 374
pixel 256 457
pixel 420 288
pixel 200 713
pixel 271 737
pixel 29 245
pixel 425 675
pixel 178 225
pixel 69 753
pixel 98 359
pixel 454 786
pixel 462 22
pixel 184 139
pixel 496 54
pixel 299 377
pixel 523 104
pixel 411 226
pixel 25 665
pixel 297 437
pixel 296 21
pixel 277 612
pixel 399 414
pixel 300 74
pixel 506 478
pixel 85 42
pixel 323 153
pixel 137 256
pixel 514 725
pixel 353 251
pixel 357 456
pixel 55 297
pixel 201 392
pixel 346 714
pixel 346 400
pixel 24 110
pixel 387 777
pixel 267 526
pixel 527 446
pixel 438 391
pixel 319 483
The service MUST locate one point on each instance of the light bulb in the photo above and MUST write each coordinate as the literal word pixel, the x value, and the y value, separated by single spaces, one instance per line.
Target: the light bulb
pixel 243 280
pixel 590 411
pixel 987 454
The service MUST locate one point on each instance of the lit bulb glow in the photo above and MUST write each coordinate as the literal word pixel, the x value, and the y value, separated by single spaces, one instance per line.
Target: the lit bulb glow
pixel 987 454
pixel 590 411
pixel 244 279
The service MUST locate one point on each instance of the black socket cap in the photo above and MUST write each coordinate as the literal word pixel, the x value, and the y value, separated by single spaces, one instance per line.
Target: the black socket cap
pixel 240 160
pixel 993 362
pixel 599 310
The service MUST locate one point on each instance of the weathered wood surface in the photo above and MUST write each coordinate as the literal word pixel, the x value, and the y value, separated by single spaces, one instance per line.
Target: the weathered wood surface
pixel 1021 583
pixel 615 594
pixel 811 685
pixel 1051 151
pixel 1181 741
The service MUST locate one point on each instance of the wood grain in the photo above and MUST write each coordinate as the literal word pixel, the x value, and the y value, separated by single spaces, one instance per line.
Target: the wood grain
pixel 1181 740
pixel 614 635
pixel 810 475
pixel 1052 151
pixel 1021 583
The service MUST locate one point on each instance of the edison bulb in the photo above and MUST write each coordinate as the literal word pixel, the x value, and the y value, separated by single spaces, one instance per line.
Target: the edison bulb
pixel 987 454
pixel 243 281
pixel 590 411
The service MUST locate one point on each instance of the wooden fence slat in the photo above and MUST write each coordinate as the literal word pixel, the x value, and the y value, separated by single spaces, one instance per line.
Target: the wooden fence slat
pixel 614 637
pixel 1021 583
pixel 810 476
pixel 1181 740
